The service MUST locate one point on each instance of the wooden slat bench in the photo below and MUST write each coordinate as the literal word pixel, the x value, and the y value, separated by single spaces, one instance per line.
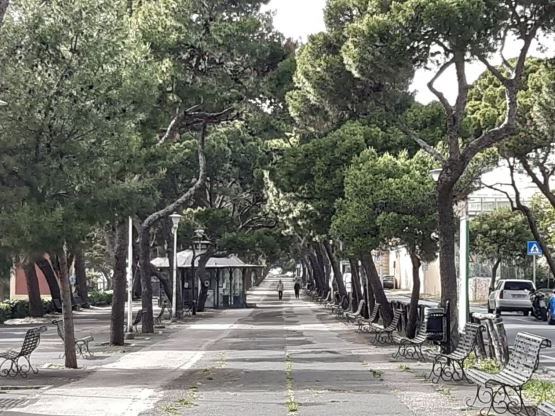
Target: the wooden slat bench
pixel 365 324
pixel 546 409
pixel 384 334
pixel 11 360
pixel 502 392
pixel 450 367
pixel 352 317
pixel 412 347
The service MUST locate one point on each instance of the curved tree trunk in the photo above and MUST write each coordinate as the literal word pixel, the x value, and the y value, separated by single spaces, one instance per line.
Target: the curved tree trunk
pixel 337 275
pixel 33 290
pixel 355 283
pixel 494 275
pixel 168 238
pixel 144 231
pixel 69 336
pixel 324 266
pixel 415 295
pixel 117 318
pixel 48 271
pixel 318 274
pixel 377 288
pixel 81 277
pixel 368 292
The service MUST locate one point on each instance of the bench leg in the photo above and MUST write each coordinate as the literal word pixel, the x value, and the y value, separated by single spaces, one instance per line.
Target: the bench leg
pixel 503 400
pixel 13 368
pixel 8 368
pixel 483 395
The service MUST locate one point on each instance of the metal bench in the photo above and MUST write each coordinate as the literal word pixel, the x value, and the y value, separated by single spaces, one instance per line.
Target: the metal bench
pixel 412 347
pixel 502 392
pixel 384 334
pixel 364 324
pixel 160 316
pixel 10 366
pixel 343 307
pixel 546 409
pixel 81 344
pixel 352 317
pixel 450 367
pixel 337 305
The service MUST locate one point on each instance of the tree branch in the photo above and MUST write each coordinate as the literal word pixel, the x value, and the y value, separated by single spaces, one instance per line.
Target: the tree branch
pixel 440 96
pixel 425 146
pixel 187 196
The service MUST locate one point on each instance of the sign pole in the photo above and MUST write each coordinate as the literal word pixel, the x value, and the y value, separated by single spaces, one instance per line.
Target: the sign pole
pixel 534 268
pixel 130 279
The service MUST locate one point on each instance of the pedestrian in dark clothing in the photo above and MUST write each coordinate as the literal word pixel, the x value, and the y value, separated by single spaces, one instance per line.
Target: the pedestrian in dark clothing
pixel 297 288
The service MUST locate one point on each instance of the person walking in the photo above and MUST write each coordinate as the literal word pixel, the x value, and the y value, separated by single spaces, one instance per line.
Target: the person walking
pixel 551 310
pixel 280 289
pixel 297 288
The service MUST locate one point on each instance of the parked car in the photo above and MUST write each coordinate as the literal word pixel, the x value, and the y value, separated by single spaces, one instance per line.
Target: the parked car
pixel 389 282
pixel 511 295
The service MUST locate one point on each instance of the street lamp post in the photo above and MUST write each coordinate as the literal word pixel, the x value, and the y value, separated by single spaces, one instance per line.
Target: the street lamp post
pixel 199 234
pixel 175 224
pixel 463 256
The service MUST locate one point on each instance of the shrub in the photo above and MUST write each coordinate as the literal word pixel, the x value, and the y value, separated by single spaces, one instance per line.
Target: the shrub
pixel 100 298
pixel 5 312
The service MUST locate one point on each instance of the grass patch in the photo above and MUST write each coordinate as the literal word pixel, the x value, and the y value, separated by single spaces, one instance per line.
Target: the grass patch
pixel 487 364
pixel 292 405
pixel 540 391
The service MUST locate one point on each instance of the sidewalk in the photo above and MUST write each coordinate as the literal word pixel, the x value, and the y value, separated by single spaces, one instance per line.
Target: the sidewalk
pixel 279 357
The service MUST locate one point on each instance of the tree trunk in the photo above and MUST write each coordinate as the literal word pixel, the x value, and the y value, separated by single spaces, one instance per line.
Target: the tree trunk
pixel 137 288
pixel 355 283
pixel 377 288
pixel 33 290
pixel 81 277
pixel 144 232
pixel 318 274
pixel 368 292
pixel 415 295
pixel 337 275
pixel 48 271
pixel 447 267
pixel 147 321
pixel 120 285
pixel 494 275
pixel 69 336
pixel 324 266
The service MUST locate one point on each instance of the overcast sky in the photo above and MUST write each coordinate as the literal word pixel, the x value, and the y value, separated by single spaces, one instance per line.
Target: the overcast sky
pixel 299 18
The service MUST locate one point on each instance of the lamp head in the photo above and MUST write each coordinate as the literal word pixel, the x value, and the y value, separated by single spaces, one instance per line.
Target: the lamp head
pixel 434 173
pixel 199 233
pixel 175 219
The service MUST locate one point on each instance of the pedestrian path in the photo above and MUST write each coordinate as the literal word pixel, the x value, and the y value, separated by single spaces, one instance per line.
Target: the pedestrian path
pixel 289 357
pixel 279 358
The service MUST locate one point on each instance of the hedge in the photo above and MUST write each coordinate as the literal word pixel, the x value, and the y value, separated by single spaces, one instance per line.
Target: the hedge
pixel 14 309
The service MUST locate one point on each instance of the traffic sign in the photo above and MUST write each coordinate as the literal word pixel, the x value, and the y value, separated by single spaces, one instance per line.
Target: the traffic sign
pixel 534 248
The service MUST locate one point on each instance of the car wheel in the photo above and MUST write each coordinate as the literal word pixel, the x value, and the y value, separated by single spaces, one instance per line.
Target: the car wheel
pixel 526 312
pixel 498 311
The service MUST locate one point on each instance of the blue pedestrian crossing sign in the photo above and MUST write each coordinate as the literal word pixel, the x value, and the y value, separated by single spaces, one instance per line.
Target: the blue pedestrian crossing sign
pixel 534 248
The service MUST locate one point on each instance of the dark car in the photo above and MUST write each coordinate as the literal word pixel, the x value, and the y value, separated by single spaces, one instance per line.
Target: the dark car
pixel 389 282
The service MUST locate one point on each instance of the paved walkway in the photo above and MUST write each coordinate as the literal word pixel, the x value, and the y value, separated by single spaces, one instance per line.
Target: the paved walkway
pixel 279 357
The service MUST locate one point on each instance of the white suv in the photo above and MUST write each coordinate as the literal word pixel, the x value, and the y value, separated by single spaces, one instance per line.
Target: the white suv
pixel 511 296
